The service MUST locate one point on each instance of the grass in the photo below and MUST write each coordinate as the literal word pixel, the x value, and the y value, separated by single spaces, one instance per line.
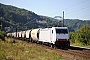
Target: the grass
pixel 25 51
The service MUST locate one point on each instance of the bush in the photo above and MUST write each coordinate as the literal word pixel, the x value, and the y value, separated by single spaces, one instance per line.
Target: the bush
pixel 72 37
pixel 81 36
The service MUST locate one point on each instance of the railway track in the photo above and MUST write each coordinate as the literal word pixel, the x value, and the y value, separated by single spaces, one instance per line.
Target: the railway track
pixel 73 53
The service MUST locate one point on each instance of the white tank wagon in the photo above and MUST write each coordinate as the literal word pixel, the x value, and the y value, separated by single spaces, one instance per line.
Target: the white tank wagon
pixel 23 34
pixel 28 34
pixel 17 35
pixel 9 34
pixel 20 34
pixel 35 34
pixel 14 34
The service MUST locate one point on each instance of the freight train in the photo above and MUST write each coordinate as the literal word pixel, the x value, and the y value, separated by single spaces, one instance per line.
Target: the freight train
pixel 54 36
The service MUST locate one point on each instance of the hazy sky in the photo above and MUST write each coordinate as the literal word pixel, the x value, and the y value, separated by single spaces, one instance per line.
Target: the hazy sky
pixel 77 9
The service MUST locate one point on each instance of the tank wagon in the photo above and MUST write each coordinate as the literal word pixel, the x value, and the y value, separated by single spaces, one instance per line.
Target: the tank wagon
pixel 17 34
pixel 20 35
pixel 14 34
pixel 9 34
pixel 23 34
pixel 28 35
pixel 35 35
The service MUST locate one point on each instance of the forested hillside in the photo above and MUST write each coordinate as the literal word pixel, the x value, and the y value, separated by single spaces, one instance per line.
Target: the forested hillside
pixel 76 24
pixel 12 17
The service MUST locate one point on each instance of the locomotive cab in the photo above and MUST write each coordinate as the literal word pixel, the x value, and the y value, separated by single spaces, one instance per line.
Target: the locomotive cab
pixel 62 37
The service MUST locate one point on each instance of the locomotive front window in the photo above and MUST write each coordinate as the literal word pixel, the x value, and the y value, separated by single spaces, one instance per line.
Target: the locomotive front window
pixel 64 31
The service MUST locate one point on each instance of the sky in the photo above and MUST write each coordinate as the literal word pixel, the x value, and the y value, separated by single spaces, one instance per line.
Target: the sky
pixel 73 9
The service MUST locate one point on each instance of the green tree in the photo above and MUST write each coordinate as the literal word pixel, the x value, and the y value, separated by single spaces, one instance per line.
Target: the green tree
pixel 85 35
pixel 72 37
pixel 81 36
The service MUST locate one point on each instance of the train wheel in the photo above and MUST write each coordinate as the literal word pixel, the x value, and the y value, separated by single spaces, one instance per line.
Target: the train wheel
pixel 28 40
pixel 53 46
pixel 37 42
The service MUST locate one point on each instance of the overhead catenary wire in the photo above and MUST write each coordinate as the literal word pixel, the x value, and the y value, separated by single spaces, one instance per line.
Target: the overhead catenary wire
pixel 80 11
pixel 77 11
pixel 84 10
pixel 68 8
